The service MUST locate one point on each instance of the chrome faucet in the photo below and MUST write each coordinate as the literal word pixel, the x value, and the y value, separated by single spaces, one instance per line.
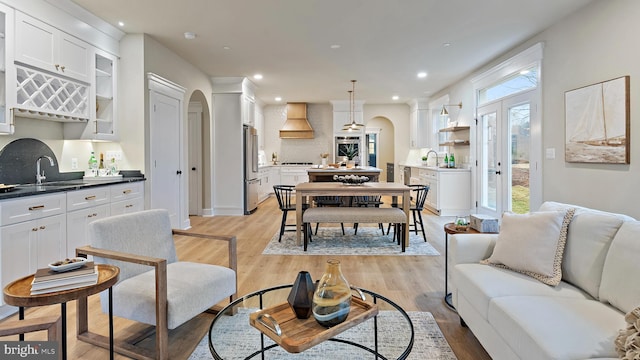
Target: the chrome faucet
pixel 40 174
pixel 432 151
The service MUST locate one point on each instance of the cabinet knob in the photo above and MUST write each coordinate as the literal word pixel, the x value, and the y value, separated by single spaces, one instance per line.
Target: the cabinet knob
pixel 57 66
pixel 179 172
pixel 62 68
pixel 42 227
pixel 34 229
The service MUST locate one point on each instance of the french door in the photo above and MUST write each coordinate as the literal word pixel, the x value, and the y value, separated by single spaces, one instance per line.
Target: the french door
pixel 508 175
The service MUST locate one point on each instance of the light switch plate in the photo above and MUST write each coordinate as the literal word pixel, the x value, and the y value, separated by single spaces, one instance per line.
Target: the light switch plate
pixel 113 155
pixel 74 163
pixel 550 153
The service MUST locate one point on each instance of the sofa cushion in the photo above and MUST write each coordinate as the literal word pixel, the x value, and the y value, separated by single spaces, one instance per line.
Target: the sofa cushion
pixel 588 239
pixel 134 298
pixel 620 286
pixel 533 244
pixel 481 283
pixel 543 327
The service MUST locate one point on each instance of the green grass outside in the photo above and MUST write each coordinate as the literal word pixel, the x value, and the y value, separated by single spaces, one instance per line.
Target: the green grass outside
pixel 520 199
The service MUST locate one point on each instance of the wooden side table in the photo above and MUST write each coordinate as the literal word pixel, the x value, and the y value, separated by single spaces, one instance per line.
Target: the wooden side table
pixel 18 293
pixel 450 228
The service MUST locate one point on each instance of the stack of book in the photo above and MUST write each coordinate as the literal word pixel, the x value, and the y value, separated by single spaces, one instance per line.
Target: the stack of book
pixel 46 280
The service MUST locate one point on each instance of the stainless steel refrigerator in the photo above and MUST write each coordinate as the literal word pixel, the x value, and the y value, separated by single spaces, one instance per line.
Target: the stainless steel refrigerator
pixel 251 182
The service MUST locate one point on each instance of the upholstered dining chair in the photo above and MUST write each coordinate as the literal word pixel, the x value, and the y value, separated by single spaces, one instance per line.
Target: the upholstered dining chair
pixel 154 287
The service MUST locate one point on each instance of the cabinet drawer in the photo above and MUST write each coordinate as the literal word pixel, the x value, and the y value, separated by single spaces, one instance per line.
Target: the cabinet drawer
pixel 83 199
pixel 127 206
pixel 31 208
pixel 127 191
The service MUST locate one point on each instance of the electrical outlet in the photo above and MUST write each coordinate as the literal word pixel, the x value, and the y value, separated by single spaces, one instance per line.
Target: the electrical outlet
pixel 74 163
pixel 114 155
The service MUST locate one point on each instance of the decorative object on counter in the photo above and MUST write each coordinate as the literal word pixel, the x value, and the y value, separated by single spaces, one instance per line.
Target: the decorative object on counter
pixel 274 158
pixel 424 160
pixel 324 157
pixel 93 164
pixel 332 298
pixel 350 151
pixel 301 296
pixel 452 161
pixel 446 160
pixel 351 179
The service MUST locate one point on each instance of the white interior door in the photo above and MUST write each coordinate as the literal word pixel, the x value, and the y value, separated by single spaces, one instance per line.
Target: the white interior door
pixel 195 159
pixel 165 155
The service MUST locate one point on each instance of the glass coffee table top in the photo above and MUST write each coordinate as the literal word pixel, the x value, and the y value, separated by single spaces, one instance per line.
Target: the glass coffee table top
pixel 389 334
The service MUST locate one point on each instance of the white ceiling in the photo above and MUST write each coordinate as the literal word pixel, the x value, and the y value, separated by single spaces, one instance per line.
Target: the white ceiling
pixel 383 43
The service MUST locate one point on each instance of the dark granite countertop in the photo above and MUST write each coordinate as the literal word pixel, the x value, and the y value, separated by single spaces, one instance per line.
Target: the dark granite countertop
pixel 62 186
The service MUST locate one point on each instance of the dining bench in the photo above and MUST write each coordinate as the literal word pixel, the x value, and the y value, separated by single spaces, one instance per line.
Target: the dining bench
pixel 355 215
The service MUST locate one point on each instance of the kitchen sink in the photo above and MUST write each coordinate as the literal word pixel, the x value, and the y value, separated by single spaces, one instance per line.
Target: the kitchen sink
pixel 51 184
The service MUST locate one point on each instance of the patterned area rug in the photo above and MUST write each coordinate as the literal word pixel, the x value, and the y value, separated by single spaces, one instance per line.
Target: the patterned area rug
pixel 429 343
pixel 330 241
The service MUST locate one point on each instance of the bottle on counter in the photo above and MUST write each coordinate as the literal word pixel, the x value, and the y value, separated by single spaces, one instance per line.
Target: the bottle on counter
pixel 101 165
pixel 446 160
pixel 452 161
pixel 113 167
pixel 93 163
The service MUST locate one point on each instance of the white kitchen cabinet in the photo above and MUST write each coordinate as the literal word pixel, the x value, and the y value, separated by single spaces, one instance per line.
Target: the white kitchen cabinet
pixel 248 110
pixel 47 48
pixel 420 129
pixel 293 175
pixel 77 226
pixel 127 198
pixel 32 234
pixel 264 175
pixel 7 70
pixel 449 191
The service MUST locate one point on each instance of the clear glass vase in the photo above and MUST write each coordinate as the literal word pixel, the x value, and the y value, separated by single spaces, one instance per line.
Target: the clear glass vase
pixel 332 298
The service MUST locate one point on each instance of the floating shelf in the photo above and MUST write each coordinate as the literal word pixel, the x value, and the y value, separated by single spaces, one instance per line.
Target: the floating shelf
pixel 455 128
pixel 452 143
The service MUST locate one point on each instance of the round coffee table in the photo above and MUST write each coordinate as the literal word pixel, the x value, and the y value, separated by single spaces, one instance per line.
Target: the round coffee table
pixel 390 334
pixel 18 293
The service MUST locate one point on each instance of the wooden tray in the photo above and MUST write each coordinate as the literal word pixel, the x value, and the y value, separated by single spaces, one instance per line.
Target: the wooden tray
pixel 297 335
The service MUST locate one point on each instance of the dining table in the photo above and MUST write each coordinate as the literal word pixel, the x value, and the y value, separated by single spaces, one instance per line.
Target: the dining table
pixel 306 191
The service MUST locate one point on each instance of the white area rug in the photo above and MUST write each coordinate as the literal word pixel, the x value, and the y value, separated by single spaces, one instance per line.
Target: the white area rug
pixel 429 343
pixel 330 241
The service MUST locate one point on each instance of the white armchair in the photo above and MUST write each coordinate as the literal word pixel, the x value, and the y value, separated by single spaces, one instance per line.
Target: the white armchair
pixel 167 296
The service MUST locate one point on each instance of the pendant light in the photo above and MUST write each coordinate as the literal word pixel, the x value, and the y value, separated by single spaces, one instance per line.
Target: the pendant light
pixel 352 125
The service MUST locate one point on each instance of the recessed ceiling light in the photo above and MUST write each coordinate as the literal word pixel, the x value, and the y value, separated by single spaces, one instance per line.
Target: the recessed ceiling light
pixel 395 97
pixel 120 23
pixel 422 75
pixel 278 98
pixel 227 47
pixel 335 46
pixel 189 35
pixel 446 44
pixel 257 76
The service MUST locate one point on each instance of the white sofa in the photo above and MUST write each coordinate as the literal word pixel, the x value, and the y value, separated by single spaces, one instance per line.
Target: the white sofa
pixel 517 317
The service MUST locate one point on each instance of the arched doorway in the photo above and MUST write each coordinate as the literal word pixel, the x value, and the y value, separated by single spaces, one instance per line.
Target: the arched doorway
pixel 199 159
pixel 381 144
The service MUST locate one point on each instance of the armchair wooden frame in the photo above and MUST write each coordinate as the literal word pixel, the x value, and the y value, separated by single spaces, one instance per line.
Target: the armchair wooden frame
pixel 128 346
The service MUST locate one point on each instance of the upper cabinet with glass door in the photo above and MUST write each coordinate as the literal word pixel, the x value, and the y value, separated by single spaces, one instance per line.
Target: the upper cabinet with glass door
pixel 7 73
pixel 104 125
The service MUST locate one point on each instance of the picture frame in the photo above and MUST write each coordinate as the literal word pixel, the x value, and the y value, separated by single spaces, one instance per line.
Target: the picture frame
pixel 597 123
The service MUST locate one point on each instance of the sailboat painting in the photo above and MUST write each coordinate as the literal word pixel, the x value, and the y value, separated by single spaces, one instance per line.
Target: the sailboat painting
pixel 597 123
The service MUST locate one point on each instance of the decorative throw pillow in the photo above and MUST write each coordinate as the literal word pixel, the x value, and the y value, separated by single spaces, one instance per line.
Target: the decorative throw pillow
pixel 533 244
pixel 628 340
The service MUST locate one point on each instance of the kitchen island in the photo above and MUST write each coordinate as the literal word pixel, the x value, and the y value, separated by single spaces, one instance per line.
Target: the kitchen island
pixel 326 174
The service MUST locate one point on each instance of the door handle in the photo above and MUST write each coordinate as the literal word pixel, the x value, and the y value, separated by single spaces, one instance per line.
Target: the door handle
pixel 498 172
pixel 193 168
pixel 179 172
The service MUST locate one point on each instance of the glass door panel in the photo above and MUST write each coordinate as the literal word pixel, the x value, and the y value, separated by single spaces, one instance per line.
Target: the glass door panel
pixel 489 161
pixel 519 117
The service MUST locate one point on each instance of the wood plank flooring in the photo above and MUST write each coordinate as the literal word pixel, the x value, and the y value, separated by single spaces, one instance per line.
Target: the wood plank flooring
pixel 414 282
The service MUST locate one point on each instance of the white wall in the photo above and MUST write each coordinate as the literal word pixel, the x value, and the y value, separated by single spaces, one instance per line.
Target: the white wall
pixel 592 45
pixel 398 114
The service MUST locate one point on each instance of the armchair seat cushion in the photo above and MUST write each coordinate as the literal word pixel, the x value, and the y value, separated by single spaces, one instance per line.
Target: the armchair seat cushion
pixel 191 289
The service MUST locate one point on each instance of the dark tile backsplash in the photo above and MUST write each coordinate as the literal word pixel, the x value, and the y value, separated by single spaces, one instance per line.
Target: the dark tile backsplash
pixel 18 163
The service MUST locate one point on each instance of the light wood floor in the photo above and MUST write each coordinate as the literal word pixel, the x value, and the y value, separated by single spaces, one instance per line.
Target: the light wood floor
pixel 414 282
